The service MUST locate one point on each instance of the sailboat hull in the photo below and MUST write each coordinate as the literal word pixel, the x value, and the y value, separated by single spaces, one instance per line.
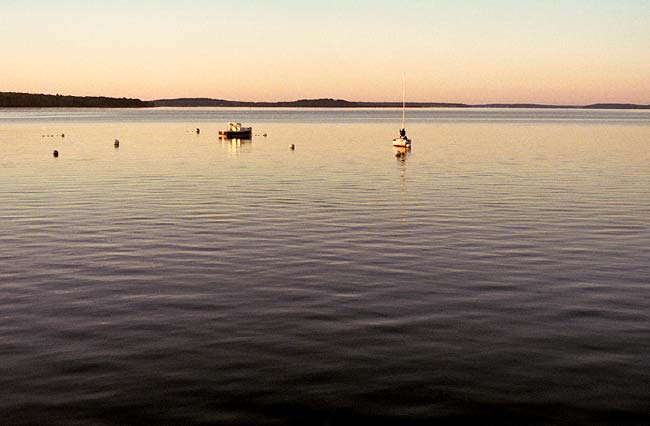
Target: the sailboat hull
pixel 402 142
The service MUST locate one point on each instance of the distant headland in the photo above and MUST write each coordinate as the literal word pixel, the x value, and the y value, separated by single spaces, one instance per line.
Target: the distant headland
pixel 342 103
pixel 29 100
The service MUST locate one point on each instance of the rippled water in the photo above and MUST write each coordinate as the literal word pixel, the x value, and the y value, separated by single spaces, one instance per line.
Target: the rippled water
pixel 498 273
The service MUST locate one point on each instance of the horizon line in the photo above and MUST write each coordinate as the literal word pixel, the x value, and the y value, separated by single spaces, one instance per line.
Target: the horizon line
pixel 344 102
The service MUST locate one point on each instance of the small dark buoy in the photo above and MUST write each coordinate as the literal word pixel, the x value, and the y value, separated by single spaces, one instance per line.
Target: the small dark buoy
pixel 292 147
pixel 198 131
pixel 116 144
pixel 264 135
pixel 55 153
pixel 62 135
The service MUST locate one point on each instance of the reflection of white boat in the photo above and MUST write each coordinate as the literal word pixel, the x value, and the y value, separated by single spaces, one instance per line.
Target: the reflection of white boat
pixel 403 140
pixel 238 141
pixel 237 145
pixel 401 152
pixel 236 131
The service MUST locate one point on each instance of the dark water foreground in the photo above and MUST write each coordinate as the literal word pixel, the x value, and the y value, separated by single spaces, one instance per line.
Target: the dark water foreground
pixel 497 274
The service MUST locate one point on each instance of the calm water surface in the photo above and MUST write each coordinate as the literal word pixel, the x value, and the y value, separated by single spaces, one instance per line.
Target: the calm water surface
pixel 498 273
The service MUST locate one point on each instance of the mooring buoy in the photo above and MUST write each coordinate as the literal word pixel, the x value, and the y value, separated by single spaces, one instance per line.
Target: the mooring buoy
pixel 198 131
pixel 292 147
pixel 116 144
pixel 55 153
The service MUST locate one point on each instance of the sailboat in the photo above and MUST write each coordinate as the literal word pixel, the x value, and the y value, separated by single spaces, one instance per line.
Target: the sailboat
pixel 403 141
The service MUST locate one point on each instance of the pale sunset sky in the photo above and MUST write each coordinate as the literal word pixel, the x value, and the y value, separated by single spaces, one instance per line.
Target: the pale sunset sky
pixel 481 51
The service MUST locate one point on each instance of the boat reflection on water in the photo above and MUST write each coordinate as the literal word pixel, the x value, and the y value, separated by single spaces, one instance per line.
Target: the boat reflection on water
pixel 237 145
pixel 401 153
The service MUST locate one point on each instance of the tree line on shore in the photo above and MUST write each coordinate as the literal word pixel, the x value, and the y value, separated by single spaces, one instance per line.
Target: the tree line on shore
pixel 30 100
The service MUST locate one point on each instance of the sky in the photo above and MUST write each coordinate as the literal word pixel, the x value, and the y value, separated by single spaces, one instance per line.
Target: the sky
pixel 480 51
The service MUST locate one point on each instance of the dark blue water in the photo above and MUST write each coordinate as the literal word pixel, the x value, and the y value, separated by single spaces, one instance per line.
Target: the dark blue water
pixel 498 273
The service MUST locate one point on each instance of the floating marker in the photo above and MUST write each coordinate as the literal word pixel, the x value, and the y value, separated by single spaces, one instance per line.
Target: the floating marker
pixel 62 135
pixel 116 144
pixel 55 153
pixel 264 135
pixel 292 147
pixel 198 131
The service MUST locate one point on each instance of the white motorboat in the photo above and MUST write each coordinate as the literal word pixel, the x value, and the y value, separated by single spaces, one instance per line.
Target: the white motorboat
pixel 236 131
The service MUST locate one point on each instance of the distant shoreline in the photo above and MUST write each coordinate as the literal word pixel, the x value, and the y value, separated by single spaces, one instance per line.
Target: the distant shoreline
pixel 32 100
pixel 341 103
pixel 29 100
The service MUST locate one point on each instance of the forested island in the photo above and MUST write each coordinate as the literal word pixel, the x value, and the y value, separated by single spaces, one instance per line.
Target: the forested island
pixel 301 103
pixel 30 100
pixel 342 103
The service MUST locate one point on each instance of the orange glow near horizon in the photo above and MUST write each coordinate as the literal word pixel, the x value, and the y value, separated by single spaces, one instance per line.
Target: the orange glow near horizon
pixel 574 53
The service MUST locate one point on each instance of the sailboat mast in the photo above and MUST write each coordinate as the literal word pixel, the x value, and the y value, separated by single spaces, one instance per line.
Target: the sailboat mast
pixel 403 101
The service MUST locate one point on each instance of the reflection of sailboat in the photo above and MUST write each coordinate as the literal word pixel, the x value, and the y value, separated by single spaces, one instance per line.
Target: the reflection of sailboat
pixel 403 151
pixel 403 140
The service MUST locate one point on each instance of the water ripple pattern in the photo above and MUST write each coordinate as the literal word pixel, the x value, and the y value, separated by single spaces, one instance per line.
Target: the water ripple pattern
pixel 497 273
